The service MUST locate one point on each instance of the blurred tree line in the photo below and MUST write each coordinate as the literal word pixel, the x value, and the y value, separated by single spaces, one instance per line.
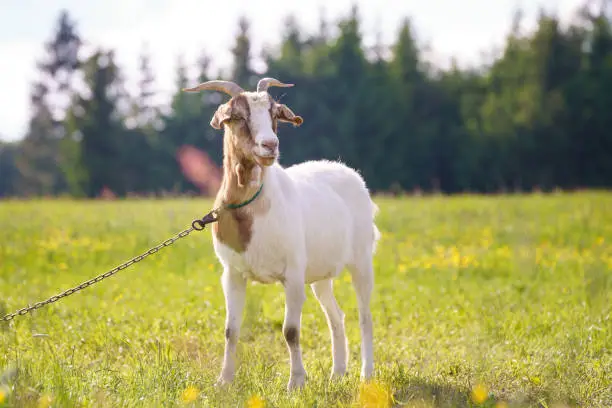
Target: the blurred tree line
pixel 539 115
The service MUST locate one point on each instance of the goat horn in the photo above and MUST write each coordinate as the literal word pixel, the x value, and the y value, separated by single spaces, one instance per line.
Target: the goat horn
pixel 265 83
pixel 227 87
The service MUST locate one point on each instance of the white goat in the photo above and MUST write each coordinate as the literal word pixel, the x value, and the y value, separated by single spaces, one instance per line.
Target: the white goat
pixel 298 225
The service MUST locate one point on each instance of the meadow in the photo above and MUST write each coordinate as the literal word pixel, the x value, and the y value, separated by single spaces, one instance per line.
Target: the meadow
pixel 501 301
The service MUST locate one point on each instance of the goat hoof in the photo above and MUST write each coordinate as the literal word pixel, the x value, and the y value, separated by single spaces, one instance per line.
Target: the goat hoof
pixel 367 374
pixel 296 381
pixel 222 382
pixel 337 375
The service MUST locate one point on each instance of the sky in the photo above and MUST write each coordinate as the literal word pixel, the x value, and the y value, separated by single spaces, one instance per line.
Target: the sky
pixel 461 29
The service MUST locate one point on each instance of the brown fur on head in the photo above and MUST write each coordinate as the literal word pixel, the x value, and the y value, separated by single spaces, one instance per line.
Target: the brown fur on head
pixel 237 140
pixel 250 120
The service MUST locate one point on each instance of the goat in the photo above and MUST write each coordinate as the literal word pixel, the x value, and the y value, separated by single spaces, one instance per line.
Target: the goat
pixel 299 226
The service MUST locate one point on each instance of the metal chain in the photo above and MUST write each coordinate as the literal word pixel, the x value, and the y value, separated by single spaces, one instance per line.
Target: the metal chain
pixel 197 225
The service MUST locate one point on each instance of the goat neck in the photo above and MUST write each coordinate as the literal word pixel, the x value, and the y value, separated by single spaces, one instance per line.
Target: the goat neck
pixel 242 177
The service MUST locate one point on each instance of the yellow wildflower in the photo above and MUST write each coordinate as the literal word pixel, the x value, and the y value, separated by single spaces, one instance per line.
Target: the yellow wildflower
pixel 466 261
pixel 255 402
pixel 479 394
pixel 189 394
pixel 45 401
pixel 535 380
pixel 2 396
pixel 374 395
pixel 456 258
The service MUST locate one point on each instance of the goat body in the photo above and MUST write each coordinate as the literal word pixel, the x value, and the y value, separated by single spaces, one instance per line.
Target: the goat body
pixel 300 225
pixel 320 220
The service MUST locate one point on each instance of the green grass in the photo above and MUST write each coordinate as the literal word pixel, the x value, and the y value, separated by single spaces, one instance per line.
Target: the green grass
pixel 507 297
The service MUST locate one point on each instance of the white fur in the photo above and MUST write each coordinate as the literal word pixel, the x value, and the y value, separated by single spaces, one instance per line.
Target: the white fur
pixel 320 220
pixel 261 123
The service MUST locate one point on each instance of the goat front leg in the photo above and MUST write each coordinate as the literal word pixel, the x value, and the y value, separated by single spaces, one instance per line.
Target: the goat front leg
pixel 295 295
pixel 234 289
pixel 323 290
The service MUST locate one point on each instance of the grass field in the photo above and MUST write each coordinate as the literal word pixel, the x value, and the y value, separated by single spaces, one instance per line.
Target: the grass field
pixel 496 302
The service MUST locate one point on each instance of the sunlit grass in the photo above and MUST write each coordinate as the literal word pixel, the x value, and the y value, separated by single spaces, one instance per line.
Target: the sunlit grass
pixel 493 302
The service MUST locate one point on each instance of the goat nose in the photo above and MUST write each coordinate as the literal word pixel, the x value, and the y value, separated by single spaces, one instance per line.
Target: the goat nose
pixel 270 145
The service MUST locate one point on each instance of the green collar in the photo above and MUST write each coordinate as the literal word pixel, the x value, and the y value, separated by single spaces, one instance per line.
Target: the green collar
pixel 247 202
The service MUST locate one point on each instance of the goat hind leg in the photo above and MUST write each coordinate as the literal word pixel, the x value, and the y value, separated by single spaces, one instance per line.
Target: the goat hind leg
pixel 363 282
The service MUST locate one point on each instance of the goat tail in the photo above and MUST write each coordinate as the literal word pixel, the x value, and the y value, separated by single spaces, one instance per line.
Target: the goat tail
pixel 375 231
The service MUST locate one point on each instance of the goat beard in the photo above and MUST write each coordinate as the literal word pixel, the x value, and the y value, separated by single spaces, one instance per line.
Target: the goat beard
pixel 265 161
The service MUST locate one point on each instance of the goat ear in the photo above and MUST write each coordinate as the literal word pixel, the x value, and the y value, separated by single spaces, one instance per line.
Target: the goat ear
pixel 223 113
pixel 284 114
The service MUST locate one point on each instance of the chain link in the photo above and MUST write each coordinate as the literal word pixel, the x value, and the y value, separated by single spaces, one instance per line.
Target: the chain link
pixel 197 225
